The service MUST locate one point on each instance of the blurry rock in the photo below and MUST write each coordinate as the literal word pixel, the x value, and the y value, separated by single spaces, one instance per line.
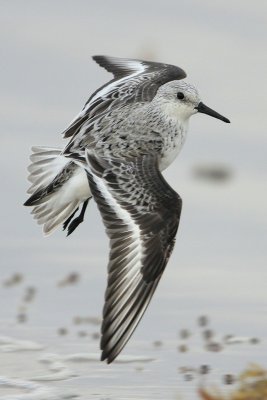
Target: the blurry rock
pixel 214 346
pixel 228 379
pixel 184 334
pixel 77 320
pixel 30 294
pixel 95 335
pixel 21 318
pixel 188 377
pixel 31 290
pixel 183 348
pixel 204 369
pixel 82 333
pixel 185 369
pixel 212 172
pixel 208 334
pixel 203 320
pixel 62 331
pixel 15 279
pixel 70 279
pixel 157 343
pixel 254 340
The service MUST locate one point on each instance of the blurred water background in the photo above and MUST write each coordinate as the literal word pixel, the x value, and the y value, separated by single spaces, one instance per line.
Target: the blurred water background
pixel 218 267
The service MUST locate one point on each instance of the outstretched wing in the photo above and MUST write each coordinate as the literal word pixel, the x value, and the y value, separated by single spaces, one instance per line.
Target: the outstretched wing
pixel 141 213
pixel 134 80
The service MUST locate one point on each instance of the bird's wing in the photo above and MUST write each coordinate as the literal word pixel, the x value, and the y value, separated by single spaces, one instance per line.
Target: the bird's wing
pixel 134 80
pixel 141 213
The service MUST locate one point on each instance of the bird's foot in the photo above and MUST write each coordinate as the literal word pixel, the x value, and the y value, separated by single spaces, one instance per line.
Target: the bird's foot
pixel 66 223
pixel 73 225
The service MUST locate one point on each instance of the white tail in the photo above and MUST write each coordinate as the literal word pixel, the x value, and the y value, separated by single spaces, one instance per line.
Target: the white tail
pixel 58 187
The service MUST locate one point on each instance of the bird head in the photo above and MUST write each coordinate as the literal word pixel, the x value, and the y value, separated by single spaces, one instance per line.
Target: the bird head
pixel 181 100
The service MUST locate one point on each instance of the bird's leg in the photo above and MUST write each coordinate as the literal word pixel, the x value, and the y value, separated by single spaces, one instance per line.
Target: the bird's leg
pixel 66 223
pixel 76 221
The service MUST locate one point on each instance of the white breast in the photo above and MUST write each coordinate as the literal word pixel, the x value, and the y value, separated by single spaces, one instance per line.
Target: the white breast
pixel 172 146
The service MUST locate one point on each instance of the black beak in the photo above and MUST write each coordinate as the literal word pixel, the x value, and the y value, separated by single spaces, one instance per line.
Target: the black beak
pixel 206 110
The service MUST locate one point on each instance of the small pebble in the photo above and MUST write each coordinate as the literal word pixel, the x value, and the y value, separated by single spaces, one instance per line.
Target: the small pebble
pixel 228 379
pixel 62 331
pixel 21 318
pixel 207 334
pixel 184 369
pixel 30 294
pixel 188 377
pixel 77 320
pixel 203 320
pixel 13 280
pixel 82 333
pixel 157 343
pixel 70 279
pixel 217 173
pixel 254 340
pixel 204 369
pixel 182 348
pixel 185 333
pixel 95 335
pixel 214 346
pixel 73 277
pixel 31 290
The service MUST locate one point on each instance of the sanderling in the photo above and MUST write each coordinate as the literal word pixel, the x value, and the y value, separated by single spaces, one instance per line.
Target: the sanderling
pixel 130 130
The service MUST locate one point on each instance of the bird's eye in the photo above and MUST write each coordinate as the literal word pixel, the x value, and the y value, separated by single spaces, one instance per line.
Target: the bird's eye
pixel 180 95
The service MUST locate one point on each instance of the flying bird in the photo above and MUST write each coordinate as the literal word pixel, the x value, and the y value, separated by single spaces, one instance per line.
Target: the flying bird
pixel 128 132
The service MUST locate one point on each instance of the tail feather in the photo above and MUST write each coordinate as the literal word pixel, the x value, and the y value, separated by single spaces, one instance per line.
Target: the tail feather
pixel 46 163
pixel 58 187
pixel 57 219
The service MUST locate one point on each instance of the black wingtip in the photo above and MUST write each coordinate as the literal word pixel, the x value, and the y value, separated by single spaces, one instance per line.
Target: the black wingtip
pixel 106 62
pixel 122 67
pixel 108 356
pixel 107 359
pixel 34 199
pixel 28 202
pixel 98 58
pixel 104 357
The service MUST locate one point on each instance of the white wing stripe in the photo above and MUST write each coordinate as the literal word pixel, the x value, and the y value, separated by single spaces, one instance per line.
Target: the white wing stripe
pixel 123 215
pixel 113 85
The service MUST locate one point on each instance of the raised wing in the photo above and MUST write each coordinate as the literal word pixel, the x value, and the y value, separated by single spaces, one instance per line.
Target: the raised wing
pixel 134 80
pixel 141 213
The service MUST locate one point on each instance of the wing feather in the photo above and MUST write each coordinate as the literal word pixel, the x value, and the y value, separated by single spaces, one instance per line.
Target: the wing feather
pixel 134 81
pixel 142 234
